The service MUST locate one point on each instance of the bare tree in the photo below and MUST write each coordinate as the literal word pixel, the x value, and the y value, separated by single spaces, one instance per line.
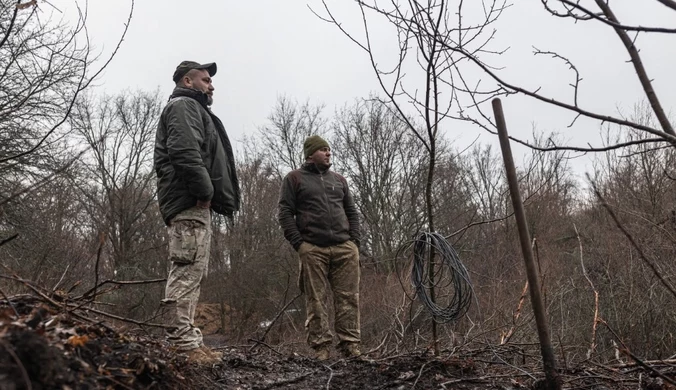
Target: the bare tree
pixel 439 84
pixel 289 124
pixel 254 269
pixel 45 64
pixel 382 160
pixel 116 183
pixel 119 183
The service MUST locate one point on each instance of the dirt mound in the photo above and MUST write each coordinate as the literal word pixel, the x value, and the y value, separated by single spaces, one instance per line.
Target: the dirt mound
pixel 209 317
pixel 44 345
pixel 45 350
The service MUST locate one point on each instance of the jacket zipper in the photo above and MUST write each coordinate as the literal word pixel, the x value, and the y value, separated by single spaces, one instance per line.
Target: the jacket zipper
pixel 328 206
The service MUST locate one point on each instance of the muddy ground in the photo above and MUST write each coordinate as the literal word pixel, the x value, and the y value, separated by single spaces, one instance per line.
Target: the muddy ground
pixel 45 348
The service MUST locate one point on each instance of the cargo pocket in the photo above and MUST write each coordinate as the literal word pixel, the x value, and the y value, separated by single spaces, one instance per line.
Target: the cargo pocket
pixel 183 243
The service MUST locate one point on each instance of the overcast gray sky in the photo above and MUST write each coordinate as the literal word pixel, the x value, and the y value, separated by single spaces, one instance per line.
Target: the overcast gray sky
pixel 268 48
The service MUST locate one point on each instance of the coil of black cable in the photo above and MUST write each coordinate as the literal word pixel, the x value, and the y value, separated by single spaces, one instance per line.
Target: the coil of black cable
pixel 453 290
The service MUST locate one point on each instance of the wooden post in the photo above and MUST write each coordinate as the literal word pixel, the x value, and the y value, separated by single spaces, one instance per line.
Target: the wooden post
pixel 551 375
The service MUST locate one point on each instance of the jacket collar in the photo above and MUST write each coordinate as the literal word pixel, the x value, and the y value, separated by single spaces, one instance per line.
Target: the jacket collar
pixel 200 96
pixel 312 167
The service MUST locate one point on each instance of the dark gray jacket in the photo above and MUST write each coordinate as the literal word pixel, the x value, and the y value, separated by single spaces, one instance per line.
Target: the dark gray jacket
pixel 193 157
pixel 317 207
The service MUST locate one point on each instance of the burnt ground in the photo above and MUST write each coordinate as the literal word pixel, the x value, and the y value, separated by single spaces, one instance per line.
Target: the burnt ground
pixel 47 347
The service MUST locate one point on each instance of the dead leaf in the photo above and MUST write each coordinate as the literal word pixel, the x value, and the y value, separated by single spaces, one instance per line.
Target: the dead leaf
pixel 78 341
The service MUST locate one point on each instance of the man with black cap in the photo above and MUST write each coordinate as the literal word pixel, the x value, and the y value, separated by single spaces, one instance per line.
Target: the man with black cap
pixel 321 222
pixel 195 174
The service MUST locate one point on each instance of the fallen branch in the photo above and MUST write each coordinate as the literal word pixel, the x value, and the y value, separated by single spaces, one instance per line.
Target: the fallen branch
pixel 124 319
pixel 8 239
pixel 289 381
pixel 422 368
pixel 328 382
pixel 648 367
pixel 86 295
pixel 29 284
pixel 73 306
pixel 668 362
pixel 261 342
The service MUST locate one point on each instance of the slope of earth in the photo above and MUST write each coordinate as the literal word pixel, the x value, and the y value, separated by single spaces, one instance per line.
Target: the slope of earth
pixel 48 347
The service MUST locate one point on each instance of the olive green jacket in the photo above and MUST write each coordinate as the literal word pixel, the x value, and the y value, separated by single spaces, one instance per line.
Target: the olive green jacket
pixel 193 157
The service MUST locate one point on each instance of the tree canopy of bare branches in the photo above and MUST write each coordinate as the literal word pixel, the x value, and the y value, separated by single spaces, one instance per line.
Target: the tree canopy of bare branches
pixel 45 64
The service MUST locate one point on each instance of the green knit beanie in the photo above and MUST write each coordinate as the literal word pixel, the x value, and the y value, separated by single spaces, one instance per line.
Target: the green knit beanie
pixel 312 144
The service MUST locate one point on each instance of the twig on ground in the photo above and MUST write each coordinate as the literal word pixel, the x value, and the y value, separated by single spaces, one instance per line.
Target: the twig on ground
pixel 124 319
pixel 289 381
pixel 328 382
pixel 87 294
pixel 422 368
pixel 648 367
pixel 257 342
pixel 8 239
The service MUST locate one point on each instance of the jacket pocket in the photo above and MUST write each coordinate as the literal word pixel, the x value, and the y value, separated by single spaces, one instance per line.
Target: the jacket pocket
pixel 185 238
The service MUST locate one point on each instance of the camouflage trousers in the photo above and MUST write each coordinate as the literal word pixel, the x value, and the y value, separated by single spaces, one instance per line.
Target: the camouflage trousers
pixel 189 245
pixel 335 268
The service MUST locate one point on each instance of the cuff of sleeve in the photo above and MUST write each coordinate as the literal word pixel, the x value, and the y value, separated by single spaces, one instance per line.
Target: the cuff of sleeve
pixel 297 245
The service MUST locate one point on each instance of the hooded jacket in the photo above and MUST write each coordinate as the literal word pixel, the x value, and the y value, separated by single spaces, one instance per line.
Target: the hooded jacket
pixel 317 207
pixel 193 157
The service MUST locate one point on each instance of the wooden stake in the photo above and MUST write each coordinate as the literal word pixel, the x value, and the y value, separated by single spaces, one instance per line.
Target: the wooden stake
pixel 551 375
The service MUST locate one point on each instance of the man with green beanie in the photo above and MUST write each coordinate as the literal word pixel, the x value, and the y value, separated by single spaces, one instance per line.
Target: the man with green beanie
pixel 321 222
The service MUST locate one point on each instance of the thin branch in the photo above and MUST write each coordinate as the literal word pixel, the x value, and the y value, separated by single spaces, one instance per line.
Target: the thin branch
pixel 649 368
pixel 666 134
pixel 102 241
pixel 11 23
pixel 640 70
pixel 262 338
pixel 63 275
pixel 43 181
pixel 610 21
pixel 119 283
pixel 464 228
pixel 8 239
pixel 669 3
pixel 638 249
pixel 11 304
pixel 82 85
pixel 592 347
pixel 124 319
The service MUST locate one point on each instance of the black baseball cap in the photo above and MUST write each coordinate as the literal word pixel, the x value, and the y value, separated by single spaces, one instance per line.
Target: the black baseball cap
pixel 186 66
